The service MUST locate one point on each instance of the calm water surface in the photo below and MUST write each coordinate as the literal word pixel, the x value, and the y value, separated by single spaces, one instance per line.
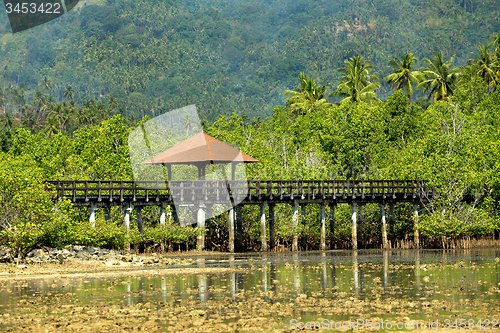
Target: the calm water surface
pixel 452 280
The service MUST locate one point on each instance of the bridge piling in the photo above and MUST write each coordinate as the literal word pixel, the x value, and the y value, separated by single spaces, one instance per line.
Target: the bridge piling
pixel 415 226
pixel 138 211
pixel 271 227
pixel 295 222
pixel 231 229
pixel 92 210
pixel 303 213
pixel 323 231
pixel 263 226
pixel 391 224
pixel 354 227
pixel 107 215
pixel 127 209
pixel 360 224
pixel 332 226
pixel 200 241
pixel 239 228
pixel 385 244
pixel 208 226
pixel 162 214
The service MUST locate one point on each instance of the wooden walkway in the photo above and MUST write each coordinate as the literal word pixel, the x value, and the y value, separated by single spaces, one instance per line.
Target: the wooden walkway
pixel 130 194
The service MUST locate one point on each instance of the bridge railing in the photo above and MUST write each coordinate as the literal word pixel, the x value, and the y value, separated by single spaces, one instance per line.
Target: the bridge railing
pixel 251 190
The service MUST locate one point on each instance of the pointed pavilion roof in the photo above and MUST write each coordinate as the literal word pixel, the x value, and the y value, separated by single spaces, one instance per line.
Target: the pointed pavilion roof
pixel 201 149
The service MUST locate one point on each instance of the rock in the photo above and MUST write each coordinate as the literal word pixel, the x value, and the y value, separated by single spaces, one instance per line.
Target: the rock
pixel 89 249
pixel 82 255
pixel 60 257
pixel 136 259
pixel 127 258
pixel 148 261
pixel 77 248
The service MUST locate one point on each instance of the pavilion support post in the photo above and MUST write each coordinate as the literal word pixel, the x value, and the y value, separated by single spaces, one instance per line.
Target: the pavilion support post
pixel 92 211
pixel 233 171
pixel 239 229
pixel 231 229
pixel 354 227
pixel 138 211
pixel 295 222
pixel 271 227
pixel 416 235
pixel 107 214
pixel 162 214
pixel 332 227
pixel 200 241
pixel 323 228
pixel 360 224
pixel 385 244
pixel 169 172
pixel 208 225
pixel 303 213
pixel 391 224
pixel 263 227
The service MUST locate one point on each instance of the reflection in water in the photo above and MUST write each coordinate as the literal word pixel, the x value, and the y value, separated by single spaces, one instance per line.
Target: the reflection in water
pixel 355 271
pixel 408 274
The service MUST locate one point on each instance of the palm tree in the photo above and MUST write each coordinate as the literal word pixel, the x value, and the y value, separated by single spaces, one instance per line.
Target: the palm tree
pixel 357 84
pixel 403 76
pixel 68 93
pixel 306 95
pixel 439 78
pixel 46 84
pixel 486 66
pixel 51 127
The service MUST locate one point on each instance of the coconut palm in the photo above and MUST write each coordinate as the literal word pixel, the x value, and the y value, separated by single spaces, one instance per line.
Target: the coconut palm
pixel 188 122
pixel 439 79
pixel 403 76
pixel 306 95
pixel 357 84
pixel 46 84
pixel 68 93
pixel 486 65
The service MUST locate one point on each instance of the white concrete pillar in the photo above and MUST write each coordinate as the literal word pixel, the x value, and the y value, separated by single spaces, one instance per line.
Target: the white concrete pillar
pixel 127 210
pixel 295 223
pixel 231 229
pixel 416 235
pixel 200 242
pixel 162 214
pixel 92 210
pixel 385 244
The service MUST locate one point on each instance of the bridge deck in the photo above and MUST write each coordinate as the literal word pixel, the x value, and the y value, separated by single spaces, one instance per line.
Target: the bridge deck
pixel 117 193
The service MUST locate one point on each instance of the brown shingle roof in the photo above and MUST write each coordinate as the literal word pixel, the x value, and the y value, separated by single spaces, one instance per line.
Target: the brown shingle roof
pixel 201 148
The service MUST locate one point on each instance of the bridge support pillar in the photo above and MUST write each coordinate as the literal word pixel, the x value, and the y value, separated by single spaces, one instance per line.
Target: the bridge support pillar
pixel 385 244
pixel 263 227
pixel 126 220
pixel 271 227
pixel 323 228
pixel 391 224
pixel 416 235
pixel 354 227
pixel 175 215
pixel 107 214
pixel 303 213
pixel 208 225
pixel 239 228
pixel 92 211
pixel 295 222
pixel 138 212
pixel 162 214
pixel 360 224
pixel 332 227
pixel 231 229
pixel 200 241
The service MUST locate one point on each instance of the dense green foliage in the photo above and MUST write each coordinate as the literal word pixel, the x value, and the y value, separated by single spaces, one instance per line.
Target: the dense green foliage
pixel 117 62
pixel 154 56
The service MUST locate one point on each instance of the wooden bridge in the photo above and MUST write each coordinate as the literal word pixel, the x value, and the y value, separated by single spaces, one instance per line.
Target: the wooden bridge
pixel 135 195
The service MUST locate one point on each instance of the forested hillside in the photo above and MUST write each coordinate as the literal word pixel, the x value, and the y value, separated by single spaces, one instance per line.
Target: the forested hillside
pixel 225 56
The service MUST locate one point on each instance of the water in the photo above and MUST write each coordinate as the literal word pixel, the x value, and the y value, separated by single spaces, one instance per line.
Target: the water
pixel 271 291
